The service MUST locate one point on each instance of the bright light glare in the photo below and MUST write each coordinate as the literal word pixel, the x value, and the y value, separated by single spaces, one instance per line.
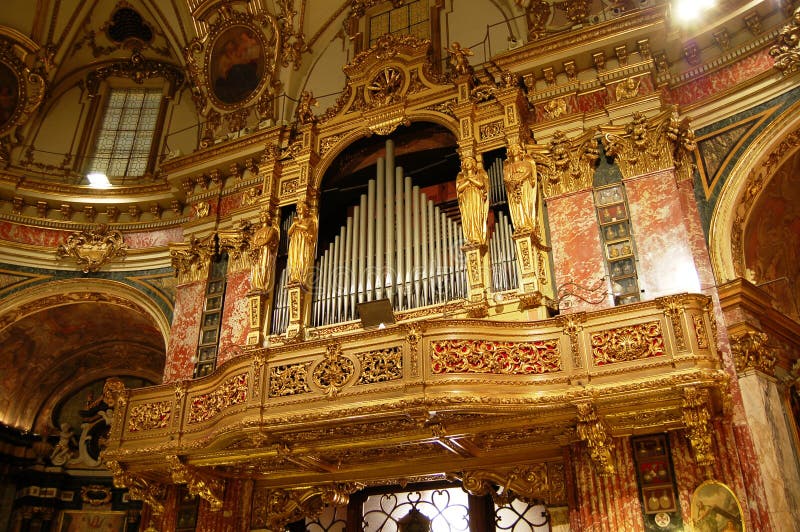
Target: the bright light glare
pixel 688 10
pixel 98 180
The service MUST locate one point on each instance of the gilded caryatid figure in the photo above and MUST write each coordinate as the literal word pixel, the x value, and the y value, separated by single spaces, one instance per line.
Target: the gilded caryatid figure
pixel 301 244
pixel 472 186
pixel 265 245
pixel 519 176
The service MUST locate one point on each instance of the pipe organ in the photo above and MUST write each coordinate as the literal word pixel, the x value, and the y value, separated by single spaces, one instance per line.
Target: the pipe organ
pixel 396 244
pixel 280 303
pixel 503 255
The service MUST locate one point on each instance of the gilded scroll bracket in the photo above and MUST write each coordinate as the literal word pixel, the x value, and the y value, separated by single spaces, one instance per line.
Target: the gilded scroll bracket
pixel 199 484
pixel 594 431
pixel 275 508
pixel 138 488
pixel 751 351
pixel 697 420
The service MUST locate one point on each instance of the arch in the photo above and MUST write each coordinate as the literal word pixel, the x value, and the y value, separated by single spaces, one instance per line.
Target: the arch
pixel 747 179
pixel 70 291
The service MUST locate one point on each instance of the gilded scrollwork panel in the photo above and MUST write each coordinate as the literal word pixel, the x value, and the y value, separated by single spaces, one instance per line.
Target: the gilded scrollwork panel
pixel 625 344
pixel 495 357
pixel 231 392
pixel 380 365
pixel 149 416
pixel 289 379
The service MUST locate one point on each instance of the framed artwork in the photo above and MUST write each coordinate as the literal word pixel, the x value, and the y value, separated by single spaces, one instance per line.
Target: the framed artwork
pixel 81 521
pixel 715 508
pixel 9 95
pixel 236 65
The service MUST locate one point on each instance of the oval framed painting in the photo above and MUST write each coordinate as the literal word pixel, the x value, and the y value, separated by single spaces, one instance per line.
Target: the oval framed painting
pixel 236 65
pixel 715 508
pixel 9 96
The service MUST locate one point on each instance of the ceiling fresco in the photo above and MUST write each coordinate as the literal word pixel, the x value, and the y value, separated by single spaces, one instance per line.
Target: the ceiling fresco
pixel 772 238
pixel 49 354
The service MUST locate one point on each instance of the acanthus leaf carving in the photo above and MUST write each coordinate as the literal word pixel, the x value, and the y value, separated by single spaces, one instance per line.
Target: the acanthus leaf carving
pixel 138 488
pixel 697 420
pixel 750 351
pixel 190 261
pixel 198 484
pixel 786 49
pixel 593 430
pixel 566 164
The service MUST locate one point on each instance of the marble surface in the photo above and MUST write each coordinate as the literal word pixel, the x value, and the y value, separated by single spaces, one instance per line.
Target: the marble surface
pixel 185 331
pixel 235 315
pixel 152 239
pixel 577 252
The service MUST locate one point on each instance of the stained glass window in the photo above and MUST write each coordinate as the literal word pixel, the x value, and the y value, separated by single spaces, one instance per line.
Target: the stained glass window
pixel 126 132
pixel 409 19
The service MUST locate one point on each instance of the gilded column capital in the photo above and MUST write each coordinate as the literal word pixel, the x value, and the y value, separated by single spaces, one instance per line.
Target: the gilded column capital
pixel 93 248
pixel 786 49
pixel 646 145
pixel 199 484
pixel 190 261
pixel 593 430
pixel 750 351
pixel 697 420
pixel 238 243
pixel 566 164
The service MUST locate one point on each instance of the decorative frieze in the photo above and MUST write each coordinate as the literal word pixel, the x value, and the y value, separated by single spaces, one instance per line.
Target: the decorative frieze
pixel 626 344
pixel 232 391
pixel 495 357
pixel 333 372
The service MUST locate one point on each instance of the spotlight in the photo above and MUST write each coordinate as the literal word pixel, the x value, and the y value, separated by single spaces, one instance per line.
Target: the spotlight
pixel 98 180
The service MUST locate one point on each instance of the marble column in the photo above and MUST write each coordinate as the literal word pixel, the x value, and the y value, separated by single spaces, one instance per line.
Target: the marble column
pixel 235 315
pixel 185 331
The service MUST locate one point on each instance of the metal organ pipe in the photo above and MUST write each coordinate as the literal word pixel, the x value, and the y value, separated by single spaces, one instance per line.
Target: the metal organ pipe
pixel 396 244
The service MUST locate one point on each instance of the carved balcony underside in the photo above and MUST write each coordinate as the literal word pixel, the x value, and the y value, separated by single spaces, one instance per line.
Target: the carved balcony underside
pixel 436 397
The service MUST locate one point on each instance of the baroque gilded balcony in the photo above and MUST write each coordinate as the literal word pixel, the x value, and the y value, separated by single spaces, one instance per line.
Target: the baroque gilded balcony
pixel 426 398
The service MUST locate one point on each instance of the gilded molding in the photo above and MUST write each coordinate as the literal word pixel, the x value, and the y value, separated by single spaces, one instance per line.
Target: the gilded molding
pixel 629 343
pixel 786 49
pixel 31 88
pixel 495 357
pixel 138 69
pixel 566 164
pixel 697 420
pixel 190 261
pixel 674 311
pixel 93 248
pixel 593 430
pixel 198 484
pixel 571 325
pixel 750 351
pixel 138 488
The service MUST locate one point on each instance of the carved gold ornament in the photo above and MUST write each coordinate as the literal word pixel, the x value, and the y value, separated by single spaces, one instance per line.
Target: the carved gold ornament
pixel 566 164
pixel 385 87
pixel 149 416
pixel 190 261
pixel 592 430
pixel 96 494
pixel 291 379
pixel 275 508
pixel 381 365
pixel 497 357
pixel 231 392
pixel 697 420
pixel 94 248
pixel 22 92
pixel 138 488
pixel 750 351
pixel 624 344
pixel 333 372
pixel 198 484
pixel 786 49
pixel 533 483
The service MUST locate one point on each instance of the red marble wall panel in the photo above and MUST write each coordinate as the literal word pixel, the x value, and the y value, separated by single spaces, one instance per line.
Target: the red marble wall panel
pixel 592 101
pixel 722 79
pixel 185 331
pixel 231 517
pixel 666 265
pixel 34 236
pixel 235 315
pixel 228 203
pixel 610 503
pixel 577 251
pixel 153 239
pixel 735 465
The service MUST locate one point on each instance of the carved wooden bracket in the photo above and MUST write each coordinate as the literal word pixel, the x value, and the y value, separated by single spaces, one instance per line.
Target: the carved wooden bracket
pixel 594 432
pixel 274 508
pixel 199 484
pixel 697 419
pixel 533 484
pixel 138 488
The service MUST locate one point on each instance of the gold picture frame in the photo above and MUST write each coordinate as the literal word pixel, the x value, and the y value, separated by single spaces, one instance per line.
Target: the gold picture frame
pixel 715 508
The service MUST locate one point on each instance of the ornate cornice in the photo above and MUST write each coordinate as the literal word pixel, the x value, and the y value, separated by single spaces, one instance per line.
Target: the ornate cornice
pixel 93 248
pixel 138 69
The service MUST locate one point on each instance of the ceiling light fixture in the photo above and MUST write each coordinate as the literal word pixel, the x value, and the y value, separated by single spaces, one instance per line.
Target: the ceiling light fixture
pixel 690 10
pixel 98 180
